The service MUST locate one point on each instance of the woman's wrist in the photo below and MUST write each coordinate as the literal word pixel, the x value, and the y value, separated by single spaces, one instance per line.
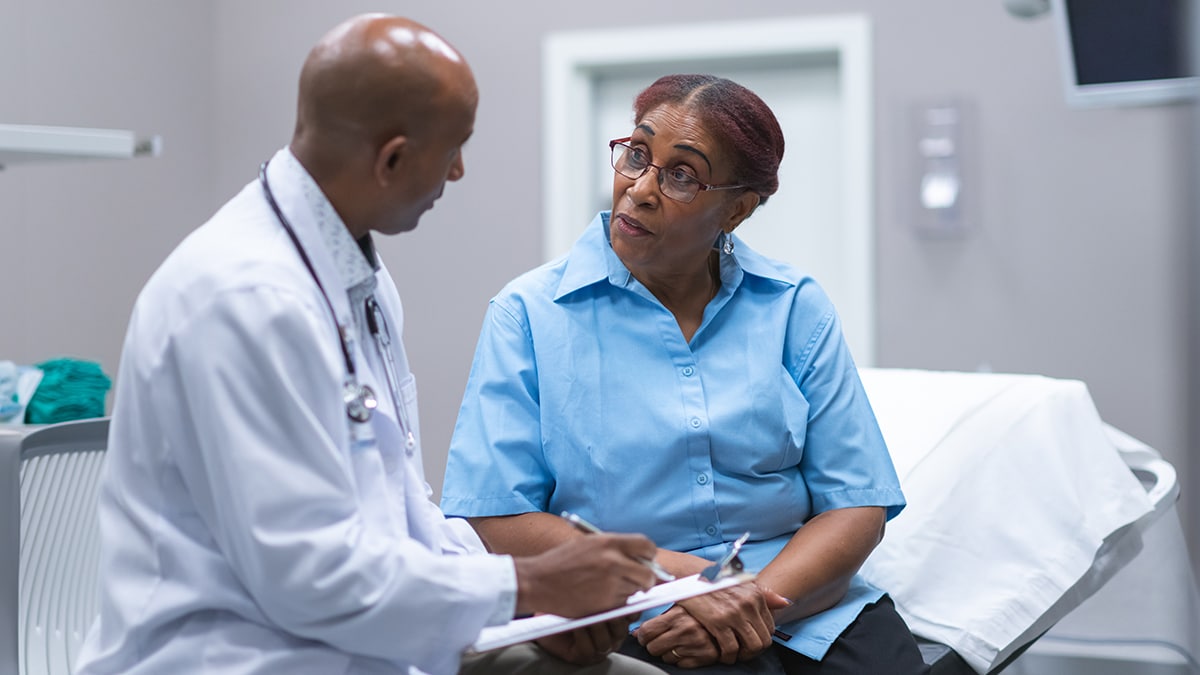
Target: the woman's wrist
pixel 681 564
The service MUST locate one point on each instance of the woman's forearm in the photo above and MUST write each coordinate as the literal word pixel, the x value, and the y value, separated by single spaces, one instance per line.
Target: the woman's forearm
pixel 523 534
pixel 815 568
pixel 681 564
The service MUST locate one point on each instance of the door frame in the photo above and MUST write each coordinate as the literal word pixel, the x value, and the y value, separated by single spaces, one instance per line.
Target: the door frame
pixel 573 59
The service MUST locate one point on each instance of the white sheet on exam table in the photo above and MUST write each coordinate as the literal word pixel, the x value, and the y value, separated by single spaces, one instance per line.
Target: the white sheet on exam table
pixel 1148 612
pixel 1012 487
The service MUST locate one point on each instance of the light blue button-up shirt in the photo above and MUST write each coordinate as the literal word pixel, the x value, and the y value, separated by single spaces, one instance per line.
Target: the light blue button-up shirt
pixel 585 397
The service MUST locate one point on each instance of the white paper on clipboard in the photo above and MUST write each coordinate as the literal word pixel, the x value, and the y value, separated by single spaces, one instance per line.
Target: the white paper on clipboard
pixel 534 627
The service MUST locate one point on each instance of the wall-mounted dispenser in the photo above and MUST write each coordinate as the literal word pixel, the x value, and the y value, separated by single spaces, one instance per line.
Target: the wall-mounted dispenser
pixel 942 184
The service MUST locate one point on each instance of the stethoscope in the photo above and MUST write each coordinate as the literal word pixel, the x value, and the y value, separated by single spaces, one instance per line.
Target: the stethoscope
pixel 359 398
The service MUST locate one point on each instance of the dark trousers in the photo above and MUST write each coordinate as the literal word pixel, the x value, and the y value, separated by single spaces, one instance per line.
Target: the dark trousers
pixel 878 642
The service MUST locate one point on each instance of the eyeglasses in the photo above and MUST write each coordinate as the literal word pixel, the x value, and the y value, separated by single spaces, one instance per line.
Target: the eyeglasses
pixel 675 183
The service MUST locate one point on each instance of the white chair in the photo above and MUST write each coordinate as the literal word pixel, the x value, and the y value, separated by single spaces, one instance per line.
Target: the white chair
pixel 48 543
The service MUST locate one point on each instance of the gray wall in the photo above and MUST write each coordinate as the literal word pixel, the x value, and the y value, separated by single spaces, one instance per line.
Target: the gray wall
pixel 1074 264
pixel 78 239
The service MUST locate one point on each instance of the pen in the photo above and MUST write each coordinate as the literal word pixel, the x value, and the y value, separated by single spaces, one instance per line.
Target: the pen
pixel 584 526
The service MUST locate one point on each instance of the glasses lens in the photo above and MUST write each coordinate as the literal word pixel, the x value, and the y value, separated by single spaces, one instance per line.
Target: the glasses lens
pixel 678 185
pixel 627 161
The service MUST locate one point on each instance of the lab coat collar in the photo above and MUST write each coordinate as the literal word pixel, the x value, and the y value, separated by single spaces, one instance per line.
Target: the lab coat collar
pixel 286 176
pixel 356 261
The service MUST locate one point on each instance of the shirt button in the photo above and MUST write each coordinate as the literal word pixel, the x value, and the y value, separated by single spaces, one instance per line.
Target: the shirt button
pixel 688 370
pixel 702 479
pixel 695 422
pixel 711 530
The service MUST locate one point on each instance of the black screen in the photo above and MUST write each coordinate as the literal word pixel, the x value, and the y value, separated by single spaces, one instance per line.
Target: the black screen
pixel 1129 40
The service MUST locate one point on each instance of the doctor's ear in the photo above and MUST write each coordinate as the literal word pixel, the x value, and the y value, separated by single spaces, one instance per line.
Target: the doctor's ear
pixel 389 157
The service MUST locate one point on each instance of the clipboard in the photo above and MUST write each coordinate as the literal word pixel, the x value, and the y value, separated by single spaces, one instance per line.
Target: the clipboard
pixel 534 627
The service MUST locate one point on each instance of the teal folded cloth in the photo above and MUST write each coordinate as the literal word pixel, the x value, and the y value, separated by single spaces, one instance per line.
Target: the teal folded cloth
pixel 70 390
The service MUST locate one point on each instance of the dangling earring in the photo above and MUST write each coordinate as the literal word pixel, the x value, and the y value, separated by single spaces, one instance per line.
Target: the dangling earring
pixel 727 247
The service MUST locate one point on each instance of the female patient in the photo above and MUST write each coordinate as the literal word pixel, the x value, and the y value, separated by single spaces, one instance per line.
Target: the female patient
pixel 665 378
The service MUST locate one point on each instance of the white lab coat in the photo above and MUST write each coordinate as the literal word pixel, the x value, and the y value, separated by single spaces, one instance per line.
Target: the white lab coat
pixel 244 528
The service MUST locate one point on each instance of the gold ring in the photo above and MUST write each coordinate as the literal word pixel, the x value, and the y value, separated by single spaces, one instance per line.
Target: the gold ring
pixel 675 654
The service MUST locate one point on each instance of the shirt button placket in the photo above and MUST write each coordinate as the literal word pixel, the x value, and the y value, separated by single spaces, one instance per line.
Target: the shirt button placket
pixel 700 461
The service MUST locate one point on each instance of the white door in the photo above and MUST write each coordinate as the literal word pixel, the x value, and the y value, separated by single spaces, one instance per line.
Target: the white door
pixel 811 72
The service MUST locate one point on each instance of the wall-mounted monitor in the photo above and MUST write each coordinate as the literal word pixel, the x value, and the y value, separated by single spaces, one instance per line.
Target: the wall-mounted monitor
pixel 1126 52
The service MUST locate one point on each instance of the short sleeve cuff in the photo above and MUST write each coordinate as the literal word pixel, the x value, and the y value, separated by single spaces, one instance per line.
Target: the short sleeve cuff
pixel 892 499
pixel 473 507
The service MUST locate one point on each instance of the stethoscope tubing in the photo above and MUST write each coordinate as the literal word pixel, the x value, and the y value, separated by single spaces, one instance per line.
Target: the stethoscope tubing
pixel 360 400
pixel 287 226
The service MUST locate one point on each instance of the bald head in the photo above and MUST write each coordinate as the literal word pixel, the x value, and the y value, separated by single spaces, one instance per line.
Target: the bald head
pixel 385 106
pixel 372 78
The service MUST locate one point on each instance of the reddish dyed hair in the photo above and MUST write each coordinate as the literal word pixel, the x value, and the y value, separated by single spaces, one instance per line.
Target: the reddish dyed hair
pixel 736 116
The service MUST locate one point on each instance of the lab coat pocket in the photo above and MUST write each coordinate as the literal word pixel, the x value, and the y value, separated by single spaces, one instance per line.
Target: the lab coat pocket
pixel 397 438
pixel 408 404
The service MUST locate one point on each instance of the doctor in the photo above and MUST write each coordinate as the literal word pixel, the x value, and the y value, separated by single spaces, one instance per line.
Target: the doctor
pixel 264 507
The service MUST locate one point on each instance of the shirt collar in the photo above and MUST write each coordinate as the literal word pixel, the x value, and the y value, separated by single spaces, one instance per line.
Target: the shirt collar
pixel 355 262
pixel 592 260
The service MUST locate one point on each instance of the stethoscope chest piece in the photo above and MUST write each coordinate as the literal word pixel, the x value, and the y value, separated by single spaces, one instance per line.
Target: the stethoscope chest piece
pixel 360 401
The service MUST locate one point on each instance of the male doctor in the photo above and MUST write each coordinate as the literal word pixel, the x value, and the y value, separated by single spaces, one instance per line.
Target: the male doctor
pixel 264 508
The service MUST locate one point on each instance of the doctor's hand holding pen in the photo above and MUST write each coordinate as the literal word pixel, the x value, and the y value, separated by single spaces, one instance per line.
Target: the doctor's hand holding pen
pixel 584 575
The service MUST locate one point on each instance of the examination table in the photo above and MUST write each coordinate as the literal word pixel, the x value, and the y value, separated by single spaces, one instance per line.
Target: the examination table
pixel 1022 503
